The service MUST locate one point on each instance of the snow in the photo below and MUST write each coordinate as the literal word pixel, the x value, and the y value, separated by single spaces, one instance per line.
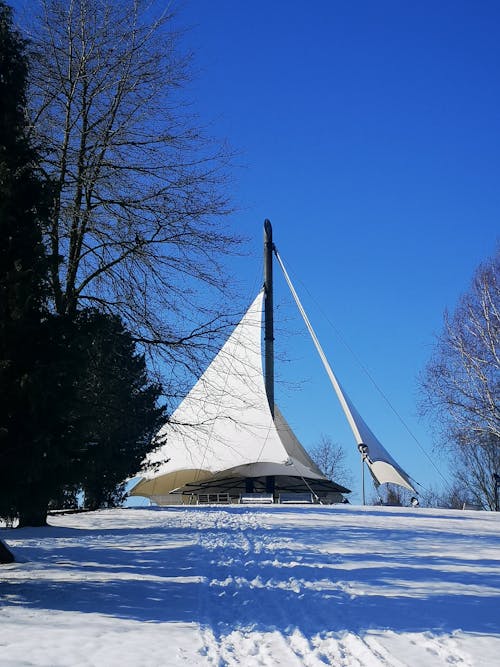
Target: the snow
pixel 271 585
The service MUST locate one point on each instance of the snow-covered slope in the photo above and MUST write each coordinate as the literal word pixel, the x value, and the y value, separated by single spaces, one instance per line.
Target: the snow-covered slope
pixel 251 586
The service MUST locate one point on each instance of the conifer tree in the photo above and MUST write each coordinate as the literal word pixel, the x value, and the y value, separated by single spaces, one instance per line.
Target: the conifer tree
pixel 119 411
pixel 76 408
pixel 23 269
pixel 36 372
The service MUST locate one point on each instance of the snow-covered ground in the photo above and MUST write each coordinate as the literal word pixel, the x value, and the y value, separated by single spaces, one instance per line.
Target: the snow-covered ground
pixel 282 585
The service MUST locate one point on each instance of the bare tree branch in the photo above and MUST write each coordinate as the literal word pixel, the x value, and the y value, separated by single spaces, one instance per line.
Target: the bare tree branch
pixel 330 457
pixel 461 385
pixel 140 189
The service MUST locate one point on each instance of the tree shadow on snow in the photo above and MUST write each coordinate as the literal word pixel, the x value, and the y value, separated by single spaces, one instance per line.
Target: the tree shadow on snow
pixel 258 579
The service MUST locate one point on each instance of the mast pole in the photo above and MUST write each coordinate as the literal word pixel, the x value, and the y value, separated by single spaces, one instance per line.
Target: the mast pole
pixel 363 480
pixel 268 314
pixel 363 450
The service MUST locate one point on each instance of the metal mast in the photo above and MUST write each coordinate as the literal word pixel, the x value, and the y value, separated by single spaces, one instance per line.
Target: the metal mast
pixel 268 314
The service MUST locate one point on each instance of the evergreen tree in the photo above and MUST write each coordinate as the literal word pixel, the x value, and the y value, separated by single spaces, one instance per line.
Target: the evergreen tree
pixel 76 408
pixel 119 410
pixel 24 203
pixel 54 425
pixel 111 413
pixel 36 370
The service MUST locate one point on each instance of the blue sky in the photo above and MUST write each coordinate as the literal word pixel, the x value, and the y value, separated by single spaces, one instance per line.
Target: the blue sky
pixel 369 134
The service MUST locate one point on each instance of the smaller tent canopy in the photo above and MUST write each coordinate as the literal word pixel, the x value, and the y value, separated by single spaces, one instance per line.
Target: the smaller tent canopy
pixel 383 468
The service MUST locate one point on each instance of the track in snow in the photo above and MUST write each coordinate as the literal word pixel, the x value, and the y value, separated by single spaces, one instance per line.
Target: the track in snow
pixel 219 587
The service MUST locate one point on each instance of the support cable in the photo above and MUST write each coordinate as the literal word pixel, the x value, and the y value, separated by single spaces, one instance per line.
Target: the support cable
pixel 321 353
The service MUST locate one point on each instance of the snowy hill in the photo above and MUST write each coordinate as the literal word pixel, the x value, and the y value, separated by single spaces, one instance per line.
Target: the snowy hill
pixel 249 586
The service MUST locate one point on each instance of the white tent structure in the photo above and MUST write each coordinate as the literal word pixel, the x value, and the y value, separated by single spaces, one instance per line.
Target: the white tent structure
pixel 223 438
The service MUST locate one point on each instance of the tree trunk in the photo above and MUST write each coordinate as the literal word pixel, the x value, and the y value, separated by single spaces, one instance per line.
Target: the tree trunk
pixel 5 554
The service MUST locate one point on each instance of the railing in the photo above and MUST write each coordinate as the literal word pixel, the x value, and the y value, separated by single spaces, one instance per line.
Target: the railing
pixel 299 498
pixel 213 498
pixel 257 498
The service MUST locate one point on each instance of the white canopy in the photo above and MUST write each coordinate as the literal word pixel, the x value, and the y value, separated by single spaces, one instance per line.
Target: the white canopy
pixel 224 425
pixel 225 422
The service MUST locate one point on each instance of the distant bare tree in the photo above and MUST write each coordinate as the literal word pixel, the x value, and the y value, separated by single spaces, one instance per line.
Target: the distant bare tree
pixel 140 190
pixel 462 381
pixel 330 457
pixel 474 465
pixel 392 494
pixel 453 497
pixel 461 385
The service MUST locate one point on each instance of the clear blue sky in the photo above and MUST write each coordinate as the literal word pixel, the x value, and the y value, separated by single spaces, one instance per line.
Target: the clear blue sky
pixel 369 133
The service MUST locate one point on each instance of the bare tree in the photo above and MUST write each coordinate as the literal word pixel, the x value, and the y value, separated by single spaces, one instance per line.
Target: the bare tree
pixel 461 385
pixel 453 497
pixel 462 380
pixel 330 457
pixel 473 468
pixel 392 494
pixel 139 189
